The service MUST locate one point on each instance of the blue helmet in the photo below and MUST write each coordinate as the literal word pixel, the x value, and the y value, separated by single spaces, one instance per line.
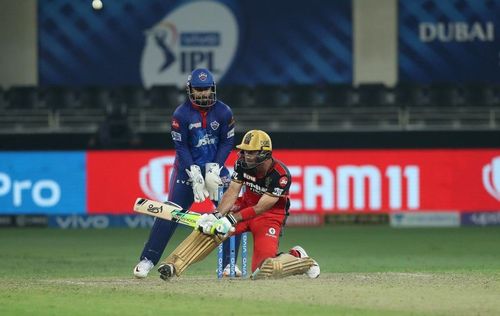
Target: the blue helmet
pixel 201 79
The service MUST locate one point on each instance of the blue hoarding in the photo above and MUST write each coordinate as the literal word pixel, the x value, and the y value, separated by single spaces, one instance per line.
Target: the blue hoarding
pixel 159 42
pixel 42 183
pixel 100 221
pixel 449 41
pixel 481 219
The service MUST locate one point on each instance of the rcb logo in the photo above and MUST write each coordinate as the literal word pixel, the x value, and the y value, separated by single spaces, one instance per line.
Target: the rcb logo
pixel 248 138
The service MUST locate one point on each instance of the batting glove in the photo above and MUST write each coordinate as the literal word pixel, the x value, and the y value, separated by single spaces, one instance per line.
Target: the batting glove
pixel 224 225
pixel 205 222
pixel 212 180
pixel 198 184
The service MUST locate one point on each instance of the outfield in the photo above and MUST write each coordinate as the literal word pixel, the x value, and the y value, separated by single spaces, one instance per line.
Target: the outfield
pixel 365 271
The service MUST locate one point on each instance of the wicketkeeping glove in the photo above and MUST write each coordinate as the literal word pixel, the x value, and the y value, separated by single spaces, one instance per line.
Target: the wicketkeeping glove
pixel 224 225
pixel 212 180
pixel 198 184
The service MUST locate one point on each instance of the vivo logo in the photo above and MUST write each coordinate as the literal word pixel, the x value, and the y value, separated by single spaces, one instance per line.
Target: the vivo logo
pixel 485 219
pixel 139 221
pixel 491 177
pixel 356 187
pixel 76 221
pixel 457 32
pixel 154 177
pixel 44 192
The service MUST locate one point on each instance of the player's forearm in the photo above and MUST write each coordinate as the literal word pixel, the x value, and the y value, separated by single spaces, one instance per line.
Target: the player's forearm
pixel 228 200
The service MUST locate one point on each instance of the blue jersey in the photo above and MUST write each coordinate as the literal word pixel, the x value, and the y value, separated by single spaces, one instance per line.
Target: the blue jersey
pixel 202 135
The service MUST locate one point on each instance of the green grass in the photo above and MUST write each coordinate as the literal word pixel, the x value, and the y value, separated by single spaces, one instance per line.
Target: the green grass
pixel 366 270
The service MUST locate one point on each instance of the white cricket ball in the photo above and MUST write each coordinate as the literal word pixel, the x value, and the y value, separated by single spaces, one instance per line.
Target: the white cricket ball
pixel 97 4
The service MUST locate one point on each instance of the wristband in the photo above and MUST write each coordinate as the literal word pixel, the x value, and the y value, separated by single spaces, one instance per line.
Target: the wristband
pixel 231 219
pixel 247 213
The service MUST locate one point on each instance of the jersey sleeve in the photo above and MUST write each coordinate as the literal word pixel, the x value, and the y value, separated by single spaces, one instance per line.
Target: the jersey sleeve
pixel 237 175
pixel 179 132
pixel 279 184
pixel 226 142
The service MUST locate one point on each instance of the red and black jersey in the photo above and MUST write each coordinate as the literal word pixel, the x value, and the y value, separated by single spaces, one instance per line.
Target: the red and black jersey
pixel 276 182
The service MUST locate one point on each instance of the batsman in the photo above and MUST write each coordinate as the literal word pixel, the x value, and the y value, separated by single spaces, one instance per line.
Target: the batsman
pixel 261 210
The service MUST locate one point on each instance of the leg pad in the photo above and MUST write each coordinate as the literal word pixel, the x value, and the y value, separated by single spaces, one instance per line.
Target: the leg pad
pixel 193 249
pixel 282 266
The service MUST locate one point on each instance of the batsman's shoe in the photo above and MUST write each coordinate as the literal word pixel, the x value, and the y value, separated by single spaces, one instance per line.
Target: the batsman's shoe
pixel 167 271
pixel 299 252
pixel 227 271
pixel 142 269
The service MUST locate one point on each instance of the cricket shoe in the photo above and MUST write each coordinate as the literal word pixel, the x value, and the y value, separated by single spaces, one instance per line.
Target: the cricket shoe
pixel 227 271
pixel 166 271
pixel 299 252
pixel 142 269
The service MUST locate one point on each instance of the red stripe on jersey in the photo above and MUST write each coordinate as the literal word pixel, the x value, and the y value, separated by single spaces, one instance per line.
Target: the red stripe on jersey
pixel 280 168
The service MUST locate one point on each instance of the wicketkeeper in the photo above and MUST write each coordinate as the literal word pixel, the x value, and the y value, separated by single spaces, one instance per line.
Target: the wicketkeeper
pixel 202 130
pixel 262 210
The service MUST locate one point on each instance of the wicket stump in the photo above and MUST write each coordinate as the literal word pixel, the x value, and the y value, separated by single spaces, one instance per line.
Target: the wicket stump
pixel 232 257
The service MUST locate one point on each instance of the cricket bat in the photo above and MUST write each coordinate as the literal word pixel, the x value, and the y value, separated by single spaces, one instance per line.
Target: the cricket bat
pixel 166 210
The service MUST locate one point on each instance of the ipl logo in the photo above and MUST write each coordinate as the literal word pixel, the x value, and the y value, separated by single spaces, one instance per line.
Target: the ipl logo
pixel 153 178
pixel 491 177
pixel 194 35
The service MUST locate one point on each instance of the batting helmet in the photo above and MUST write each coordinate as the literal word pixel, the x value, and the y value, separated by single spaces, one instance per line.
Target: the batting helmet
pixel 255 141
pixel 201 79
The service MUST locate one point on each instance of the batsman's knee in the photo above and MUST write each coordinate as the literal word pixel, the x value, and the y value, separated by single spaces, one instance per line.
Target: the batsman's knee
pixel 282 266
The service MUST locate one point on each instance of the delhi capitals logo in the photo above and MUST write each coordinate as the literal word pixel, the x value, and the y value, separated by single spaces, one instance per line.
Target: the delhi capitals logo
pixel 202 76
pixel 214 125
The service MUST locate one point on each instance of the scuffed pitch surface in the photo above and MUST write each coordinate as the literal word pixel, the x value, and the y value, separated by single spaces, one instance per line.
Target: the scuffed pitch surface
pixel 342 293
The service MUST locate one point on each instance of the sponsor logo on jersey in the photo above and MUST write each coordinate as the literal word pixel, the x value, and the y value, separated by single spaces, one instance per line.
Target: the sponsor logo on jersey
pixel 205 140
pixel 234 176
pixel 283 181
pixel 249 177
pixel 214 125
pixel 195 125
pixel 278 191
pixel 176 136
pixel 271 232
pixel 230 133
pixel 255 187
